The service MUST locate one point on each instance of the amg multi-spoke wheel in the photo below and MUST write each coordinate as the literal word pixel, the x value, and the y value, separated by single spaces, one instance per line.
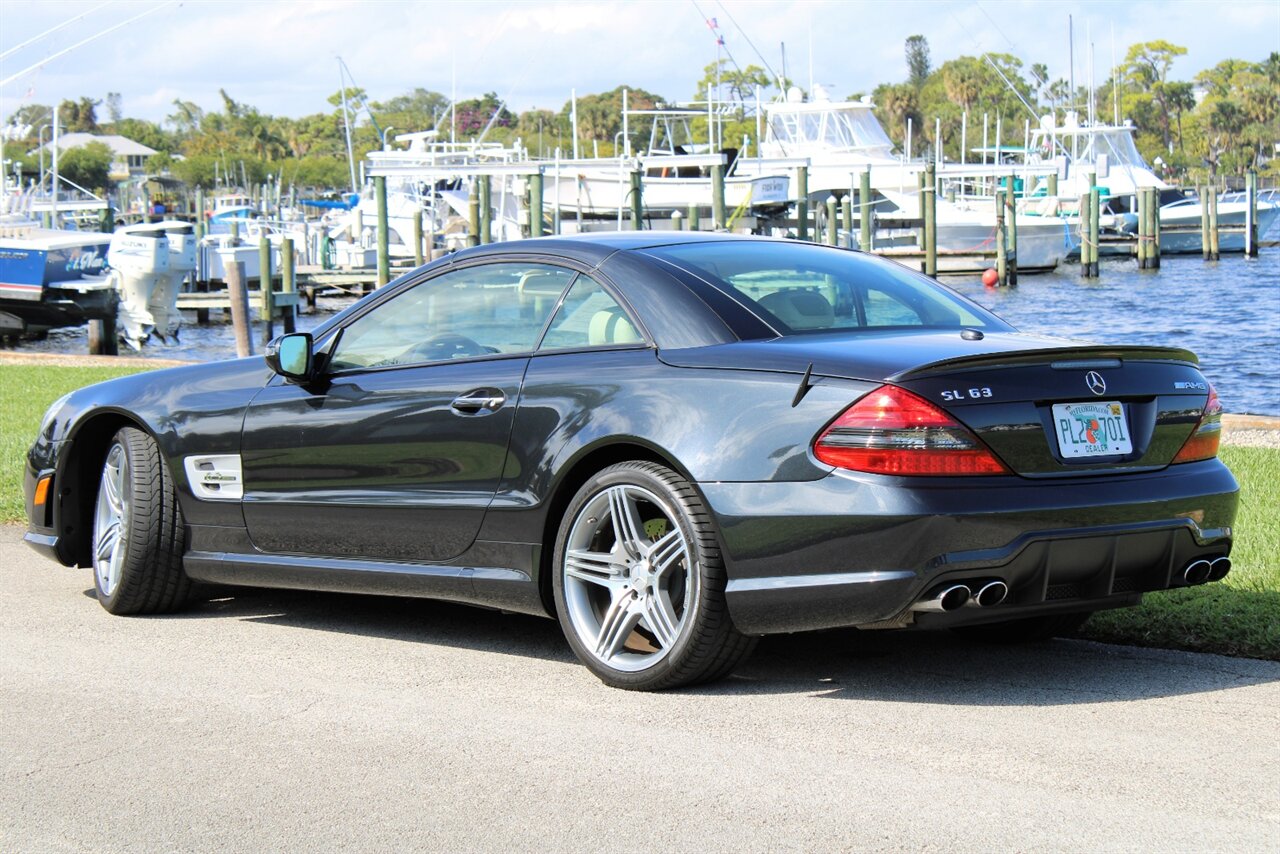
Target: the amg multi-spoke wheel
pixel 639 583
pixel 138 534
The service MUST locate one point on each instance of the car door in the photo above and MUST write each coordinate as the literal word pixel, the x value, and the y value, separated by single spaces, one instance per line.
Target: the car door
pixel 397 450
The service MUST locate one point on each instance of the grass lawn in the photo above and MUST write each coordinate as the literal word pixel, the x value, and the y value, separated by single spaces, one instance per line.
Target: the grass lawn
pixel 25 393
pixel 1237 616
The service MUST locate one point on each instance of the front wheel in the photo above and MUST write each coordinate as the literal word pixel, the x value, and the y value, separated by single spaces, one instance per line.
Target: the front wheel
pixel 640 584
pixel 138 531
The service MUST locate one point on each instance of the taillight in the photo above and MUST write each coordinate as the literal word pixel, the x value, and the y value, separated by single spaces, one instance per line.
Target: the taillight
pixel 892 431
pixel 1203 442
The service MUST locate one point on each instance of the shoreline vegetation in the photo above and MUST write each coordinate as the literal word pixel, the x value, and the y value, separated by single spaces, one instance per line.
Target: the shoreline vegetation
pixel 1238 616
pixel 1221 122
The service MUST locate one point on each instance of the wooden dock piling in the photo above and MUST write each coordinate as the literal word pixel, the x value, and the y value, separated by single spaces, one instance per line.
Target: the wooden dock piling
pixel 1153 257
pixel 718 213
pixel 929 213
pixel 833 224
pixel 1213 223
pixel 239 308
pixel 1011 201
pixel 1205 247
pixel 866 212
pixel 473 214
pixel 693 217
pixel 289 285
pixel 1144 228
pixel 637 201
pixel 1002 258
pixel 535 204
pixel 676 224
pixel 1095 209
pixel 417 237
pixel 1251 214
pixel 486 209
pixel 802 202
pixel 846 214
pixel 266 306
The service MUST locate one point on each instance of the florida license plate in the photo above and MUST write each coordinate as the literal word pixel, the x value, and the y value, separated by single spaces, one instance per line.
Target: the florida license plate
pixel 1094 429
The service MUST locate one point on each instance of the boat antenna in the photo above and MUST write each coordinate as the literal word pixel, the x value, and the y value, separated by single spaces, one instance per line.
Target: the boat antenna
pixel 1115 75
pixel 1071 57
pixel 346 122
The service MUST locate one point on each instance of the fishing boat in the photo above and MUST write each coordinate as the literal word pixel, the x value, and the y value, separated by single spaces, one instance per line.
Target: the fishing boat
pixel 232 207
pixel 840 140
pixel 51 278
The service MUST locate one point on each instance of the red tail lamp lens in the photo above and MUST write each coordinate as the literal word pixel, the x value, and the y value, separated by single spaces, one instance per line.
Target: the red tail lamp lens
pixel 1203 442
pixel 892 431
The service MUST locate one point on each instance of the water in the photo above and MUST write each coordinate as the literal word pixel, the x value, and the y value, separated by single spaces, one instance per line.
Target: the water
pixel 1227 312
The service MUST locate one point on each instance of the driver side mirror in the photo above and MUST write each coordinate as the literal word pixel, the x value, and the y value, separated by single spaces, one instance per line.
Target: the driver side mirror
pixel 290 356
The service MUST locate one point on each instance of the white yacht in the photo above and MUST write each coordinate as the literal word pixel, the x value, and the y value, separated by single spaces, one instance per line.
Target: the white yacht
pixel 1109 152
pixel 842 139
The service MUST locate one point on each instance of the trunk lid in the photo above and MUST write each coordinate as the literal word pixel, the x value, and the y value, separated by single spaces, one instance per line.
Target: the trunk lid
pixel 1048 407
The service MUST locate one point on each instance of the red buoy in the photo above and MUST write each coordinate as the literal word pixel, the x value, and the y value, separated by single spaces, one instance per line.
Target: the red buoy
pixel 990 277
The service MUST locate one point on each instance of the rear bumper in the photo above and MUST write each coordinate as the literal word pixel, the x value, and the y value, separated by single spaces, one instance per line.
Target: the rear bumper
pixel 857 550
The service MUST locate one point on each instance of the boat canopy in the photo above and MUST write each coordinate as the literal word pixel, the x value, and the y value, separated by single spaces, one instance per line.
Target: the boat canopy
pixel 799 129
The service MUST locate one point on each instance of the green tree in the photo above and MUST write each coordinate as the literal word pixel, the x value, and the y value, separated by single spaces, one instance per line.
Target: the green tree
pixel 1147 65
pixel 917 53
pixel 87 165
pixel 78 116
pixel 737 85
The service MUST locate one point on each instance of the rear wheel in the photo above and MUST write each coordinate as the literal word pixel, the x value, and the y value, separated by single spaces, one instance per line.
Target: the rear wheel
pixel 1026 630
pixel 639 582
pixel 138 531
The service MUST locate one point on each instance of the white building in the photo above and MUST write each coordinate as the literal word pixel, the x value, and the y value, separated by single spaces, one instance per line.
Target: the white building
pixel 128 160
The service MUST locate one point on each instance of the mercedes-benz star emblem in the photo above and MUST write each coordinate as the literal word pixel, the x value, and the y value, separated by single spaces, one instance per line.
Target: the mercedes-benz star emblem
pixel 1095 382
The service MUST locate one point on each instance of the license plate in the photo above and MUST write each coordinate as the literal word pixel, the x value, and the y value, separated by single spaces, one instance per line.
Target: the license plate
pixel 1094 429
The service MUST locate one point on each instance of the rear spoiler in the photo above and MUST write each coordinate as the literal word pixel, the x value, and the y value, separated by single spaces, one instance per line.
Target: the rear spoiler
pixel 1062 358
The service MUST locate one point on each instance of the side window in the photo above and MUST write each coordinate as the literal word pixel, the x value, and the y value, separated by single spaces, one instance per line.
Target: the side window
pixel 589 317
pixel 476 311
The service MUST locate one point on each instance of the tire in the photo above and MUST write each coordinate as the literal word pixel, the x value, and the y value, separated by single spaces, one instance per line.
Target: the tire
pixel 139 534
pixel 1027 630
pixel 646 610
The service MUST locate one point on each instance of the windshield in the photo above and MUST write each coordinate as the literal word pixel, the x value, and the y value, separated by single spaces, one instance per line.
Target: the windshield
pixel 800 288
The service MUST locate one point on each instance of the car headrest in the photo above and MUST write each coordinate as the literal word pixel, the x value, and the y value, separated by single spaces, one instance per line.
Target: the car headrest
pixel 800 309
pixel 610 326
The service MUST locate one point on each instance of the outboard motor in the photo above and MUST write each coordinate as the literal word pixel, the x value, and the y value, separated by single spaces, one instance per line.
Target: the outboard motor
pixel 138 257
pixel 163 304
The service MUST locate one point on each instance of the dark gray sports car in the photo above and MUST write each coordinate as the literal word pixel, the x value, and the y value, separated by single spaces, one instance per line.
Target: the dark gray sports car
pixel 672 443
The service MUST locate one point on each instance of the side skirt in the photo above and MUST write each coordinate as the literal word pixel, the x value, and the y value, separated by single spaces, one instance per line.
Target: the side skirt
pixel 510 589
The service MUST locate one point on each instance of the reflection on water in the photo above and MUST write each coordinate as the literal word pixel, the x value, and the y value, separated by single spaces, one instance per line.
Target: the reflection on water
pixel 1227 312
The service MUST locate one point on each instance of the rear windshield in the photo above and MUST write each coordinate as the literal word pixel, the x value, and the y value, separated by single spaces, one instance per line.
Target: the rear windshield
pixel 799 288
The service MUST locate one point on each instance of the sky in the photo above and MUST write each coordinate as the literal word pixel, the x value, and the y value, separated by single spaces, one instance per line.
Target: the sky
pixel 281 56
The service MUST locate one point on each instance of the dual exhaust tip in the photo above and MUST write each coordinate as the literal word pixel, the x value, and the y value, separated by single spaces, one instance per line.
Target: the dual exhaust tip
pixel 1200 571
pixel 985 594
pixel 981 594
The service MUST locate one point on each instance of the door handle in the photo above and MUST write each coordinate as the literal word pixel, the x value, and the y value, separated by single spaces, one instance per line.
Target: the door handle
pixel 480 400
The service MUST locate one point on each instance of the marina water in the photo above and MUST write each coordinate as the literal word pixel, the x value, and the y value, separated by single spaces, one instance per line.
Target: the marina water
pixel 1227 312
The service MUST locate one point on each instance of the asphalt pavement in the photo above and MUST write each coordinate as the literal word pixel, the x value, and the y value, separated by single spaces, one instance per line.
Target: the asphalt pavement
pixel 279 720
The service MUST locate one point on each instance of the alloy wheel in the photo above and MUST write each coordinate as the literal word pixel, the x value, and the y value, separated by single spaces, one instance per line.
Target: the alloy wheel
pixel 630 580
pixel 111 520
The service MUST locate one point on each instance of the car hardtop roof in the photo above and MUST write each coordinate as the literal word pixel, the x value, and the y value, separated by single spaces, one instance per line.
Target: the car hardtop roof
pixel 596 246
